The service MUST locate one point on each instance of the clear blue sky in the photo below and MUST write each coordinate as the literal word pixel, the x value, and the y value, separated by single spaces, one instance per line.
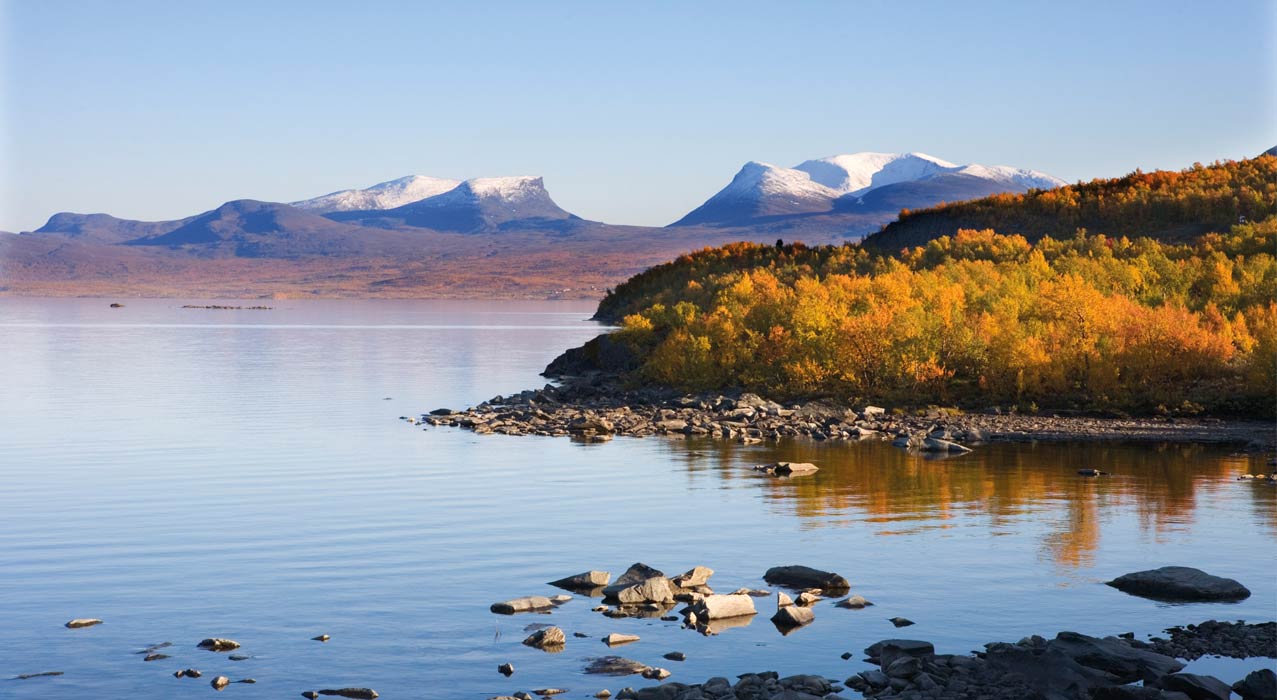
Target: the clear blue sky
pixel 633 112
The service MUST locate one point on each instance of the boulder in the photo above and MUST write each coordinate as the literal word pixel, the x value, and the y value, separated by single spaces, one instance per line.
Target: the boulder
pixel 793 616
pixel 1258 685
pixel 657 589
pixel 932 444
pixel 353 693
pixel 656 674
pixel 591 424
pixel 532 603
pixel 584 581
pixel 719 607
pixel 614 666
pixel 83 622
pixel 548 639
pixel 787 468
pixel 900 621
pixel 1114 656
pixel 855 602
pixel 617 638
pixel 218 644
pixel 636 573
pixel 506 669
pixel 220 682
pixel 696 576
pixel 805 577
pixel 1197 687
pixel 1179 583
pixel 909 647
pixel 782 600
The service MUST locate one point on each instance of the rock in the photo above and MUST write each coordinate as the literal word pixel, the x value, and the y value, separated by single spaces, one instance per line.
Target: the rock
pixel 545 692
pixel 782 600
pixel 605 693
pixel 1179 583
pixel 614 666
pixel 321 638
pixel 908 647
pixel 793 616
pixel 506 669
pixel 187 673
pixel 1258 685
pixel 900 621
pixel 239 657
pixel 808 598
pixel 637 573
pixel 617 638
pixel 587 580
pixel 532 603
pixel 676 656
pixel 44 674
pixel 591 424
pixel 786 468
pixel 218 644
pixel 657 589
pixel 79 622
pixel 932 444
pixel 548 639
pixel 155 657
pixel 310 695
pixel 1090 472
pixel 353 693
pixel 696 576
pixel 1197 687
pixel 116 305
pixel 718 607
pixel 855 603
pixel 247 681
pixel 805 577
pixel 656 674
pixel 220 682
pixel 871 411
pixel 1114 656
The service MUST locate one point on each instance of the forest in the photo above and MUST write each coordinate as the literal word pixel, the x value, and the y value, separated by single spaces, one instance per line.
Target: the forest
pixel 1083 321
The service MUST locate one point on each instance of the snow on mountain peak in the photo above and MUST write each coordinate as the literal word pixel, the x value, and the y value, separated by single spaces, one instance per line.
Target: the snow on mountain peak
pixel 507 188
pixel 383 195
pixel 1022 177
pixel 857 173
pixel 755 179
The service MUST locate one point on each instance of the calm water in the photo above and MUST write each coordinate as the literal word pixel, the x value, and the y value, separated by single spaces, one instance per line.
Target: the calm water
pixel 188 473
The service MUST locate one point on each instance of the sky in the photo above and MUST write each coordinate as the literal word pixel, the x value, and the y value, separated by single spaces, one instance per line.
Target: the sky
pixel 634 113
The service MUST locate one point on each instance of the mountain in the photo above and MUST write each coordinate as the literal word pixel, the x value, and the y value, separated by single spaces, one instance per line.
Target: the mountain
pixel 384 195
pixel 1167 205
pixel 251 229
pixel 480 205
pixel 763 194
pixel 103 228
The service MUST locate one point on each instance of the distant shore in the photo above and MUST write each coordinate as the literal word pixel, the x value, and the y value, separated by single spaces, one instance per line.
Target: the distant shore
pixel 597 410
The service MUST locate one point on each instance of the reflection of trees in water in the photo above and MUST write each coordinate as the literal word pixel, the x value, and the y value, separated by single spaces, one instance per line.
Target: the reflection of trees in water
pixel 1001 485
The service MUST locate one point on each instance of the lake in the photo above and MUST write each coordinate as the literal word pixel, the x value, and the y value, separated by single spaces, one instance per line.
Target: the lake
pixel 187 473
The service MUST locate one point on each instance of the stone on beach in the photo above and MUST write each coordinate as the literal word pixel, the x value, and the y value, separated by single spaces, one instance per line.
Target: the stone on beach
pixel 801 577
pixel 79 622
pixel 1179 583
pixel 532 603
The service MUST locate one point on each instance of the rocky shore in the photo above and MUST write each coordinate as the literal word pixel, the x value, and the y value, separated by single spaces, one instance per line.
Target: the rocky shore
pixel 596 410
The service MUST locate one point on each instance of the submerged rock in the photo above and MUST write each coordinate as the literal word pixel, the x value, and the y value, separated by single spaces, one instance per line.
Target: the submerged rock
pixel 79 622
pixel 353 693
pixel 1179 583
pixel 614 666
pixel 218 644
pixel 26 676
pixel 805 577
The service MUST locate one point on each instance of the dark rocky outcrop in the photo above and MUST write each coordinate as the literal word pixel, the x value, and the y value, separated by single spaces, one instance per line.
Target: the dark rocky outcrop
pixel 797 576
pixel 1179 583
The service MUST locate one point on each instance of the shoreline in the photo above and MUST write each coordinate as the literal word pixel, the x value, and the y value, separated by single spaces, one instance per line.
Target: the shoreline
pixel 596 410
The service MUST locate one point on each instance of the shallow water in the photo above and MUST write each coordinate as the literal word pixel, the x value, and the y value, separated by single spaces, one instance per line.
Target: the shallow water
pixel 185 473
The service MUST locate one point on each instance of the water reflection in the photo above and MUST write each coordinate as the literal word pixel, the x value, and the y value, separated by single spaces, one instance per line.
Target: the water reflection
pixel 996 488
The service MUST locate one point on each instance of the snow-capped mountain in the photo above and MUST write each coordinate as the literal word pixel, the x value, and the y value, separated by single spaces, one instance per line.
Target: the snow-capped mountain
pixel 762 193
pixel 481 204
pixel 383 195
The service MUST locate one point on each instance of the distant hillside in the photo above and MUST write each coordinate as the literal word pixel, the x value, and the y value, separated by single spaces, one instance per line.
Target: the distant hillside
pixel 1166 205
